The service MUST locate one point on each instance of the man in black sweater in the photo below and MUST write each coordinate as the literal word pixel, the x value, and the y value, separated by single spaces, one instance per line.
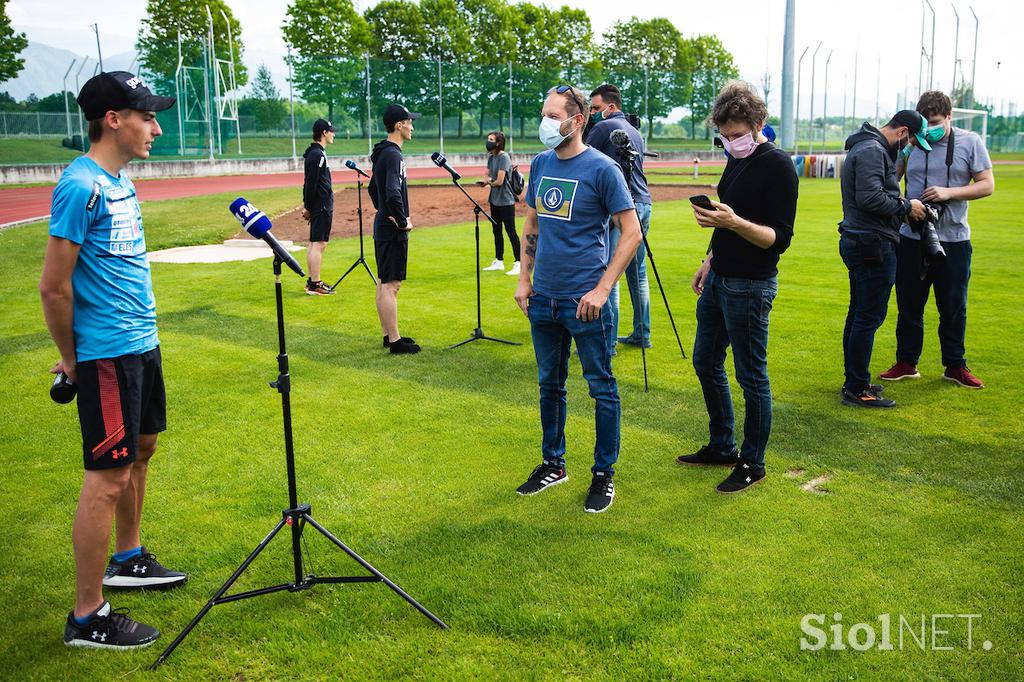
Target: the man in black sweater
pixel 389 192
pixel 318 204
pixel 737 283
pixel 870 232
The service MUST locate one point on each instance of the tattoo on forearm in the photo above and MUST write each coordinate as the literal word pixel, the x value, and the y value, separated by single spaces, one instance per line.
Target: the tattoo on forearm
pixel 531 245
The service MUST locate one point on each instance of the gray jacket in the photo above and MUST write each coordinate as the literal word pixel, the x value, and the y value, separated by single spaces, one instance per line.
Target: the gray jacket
pixel 871 192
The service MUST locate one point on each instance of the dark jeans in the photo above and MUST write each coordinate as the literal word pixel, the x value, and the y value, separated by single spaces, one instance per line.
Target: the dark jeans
pixel 871 262
pixel 734 311
pixel 504 216
pixel 950 280
pixel 553 324
pixel 636 278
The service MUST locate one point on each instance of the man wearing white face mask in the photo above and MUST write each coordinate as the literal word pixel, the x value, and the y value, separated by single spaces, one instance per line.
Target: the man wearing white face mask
pixel 737 283
pixel 574 193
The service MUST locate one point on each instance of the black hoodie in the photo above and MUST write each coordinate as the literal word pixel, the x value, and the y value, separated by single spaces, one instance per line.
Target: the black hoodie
pixel 871 191
pixel 389 192
pixel 317 194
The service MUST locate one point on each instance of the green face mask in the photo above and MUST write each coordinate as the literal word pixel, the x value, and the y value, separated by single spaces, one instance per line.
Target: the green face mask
pixel 934 133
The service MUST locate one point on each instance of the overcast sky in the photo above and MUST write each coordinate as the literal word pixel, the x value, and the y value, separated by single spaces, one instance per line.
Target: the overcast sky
pixel 752 30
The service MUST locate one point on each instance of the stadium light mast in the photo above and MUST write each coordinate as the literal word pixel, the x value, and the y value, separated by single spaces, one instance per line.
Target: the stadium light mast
pixel 810 120
pixel 99 53
pixel 974 59
pixel 824 106
pixel 788 126
pixel 799 73
pixel 956 51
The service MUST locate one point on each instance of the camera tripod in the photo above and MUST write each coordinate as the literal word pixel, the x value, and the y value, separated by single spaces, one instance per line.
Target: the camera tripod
pixel 296 516
pixel 359 212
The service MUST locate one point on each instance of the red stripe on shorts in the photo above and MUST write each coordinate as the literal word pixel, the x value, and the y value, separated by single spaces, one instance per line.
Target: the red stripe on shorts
pixel 110 403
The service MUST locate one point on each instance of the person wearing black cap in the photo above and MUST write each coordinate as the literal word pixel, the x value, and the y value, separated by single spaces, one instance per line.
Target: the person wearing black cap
pixel 873 210
pixel 108 346
pixel 389 192
pixel 318 204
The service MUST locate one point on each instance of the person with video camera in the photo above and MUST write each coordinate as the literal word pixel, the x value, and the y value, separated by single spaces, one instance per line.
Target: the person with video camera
pixel 873 210
pixel 957 170
pixel 606 113
pixel 574 194
pixel 737 283
pixel 97 298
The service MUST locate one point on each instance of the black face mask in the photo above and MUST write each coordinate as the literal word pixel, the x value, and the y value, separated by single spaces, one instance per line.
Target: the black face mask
pixel 491 146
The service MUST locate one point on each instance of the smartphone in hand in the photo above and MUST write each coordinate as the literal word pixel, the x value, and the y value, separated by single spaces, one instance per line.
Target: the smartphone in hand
pixel 702 201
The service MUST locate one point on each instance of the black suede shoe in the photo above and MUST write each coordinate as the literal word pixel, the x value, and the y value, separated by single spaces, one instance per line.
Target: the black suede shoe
pixel 743 476
pixel 707 457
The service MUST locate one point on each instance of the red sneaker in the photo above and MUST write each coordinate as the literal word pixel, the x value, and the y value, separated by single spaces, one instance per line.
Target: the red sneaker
pixel 962 376
pixel 901 370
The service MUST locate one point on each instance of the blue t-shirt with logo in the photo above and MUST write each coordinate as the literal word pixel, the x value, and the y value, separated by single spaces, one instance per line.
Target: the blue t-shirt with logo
pixel 115 312
pixel 574 199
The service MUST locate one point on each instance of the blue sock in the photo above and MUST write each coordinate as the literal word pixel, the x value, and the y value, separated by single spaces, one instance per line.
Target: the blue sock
pixel 85 620
pixel 121 557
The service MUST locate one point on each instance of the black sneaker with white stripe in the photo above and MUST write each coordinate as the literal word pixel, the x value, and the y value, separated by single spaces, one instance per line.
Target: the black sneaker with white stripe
pixel 601 493
pixel 742 477
pixel 142 571
pixel 544 476
pixel 109 629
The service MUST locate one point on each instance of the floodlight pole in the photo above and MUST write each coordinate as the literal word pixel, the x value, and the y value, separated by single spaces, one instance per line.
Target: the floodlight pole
pixel 824 106
pixel 81 133
pixel 931 54
pixel 178 100
pixel 440 108
pixel 956 51
pixel 291 100
pixel 67 109
pixel 369 120
pixel 96 29
pixel 799 72
pixel 846 90
pixel 788 52
pixel 511 147
pixel 810 122
pixel 974 59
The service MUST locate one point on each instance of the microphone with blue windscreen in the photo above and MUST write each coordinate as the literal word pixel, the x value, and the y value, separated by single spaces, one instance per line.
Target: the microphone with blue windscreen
pixel 258 225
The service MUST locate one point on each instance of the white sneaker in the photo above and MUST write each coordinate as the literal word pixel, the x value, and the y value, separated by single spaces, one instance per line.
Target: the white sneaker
pixel 496 265
pixel 515 269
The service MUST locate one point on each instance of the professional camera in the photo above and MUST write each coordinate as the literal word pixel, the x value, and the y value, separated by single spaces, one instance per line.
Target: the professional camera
pixel 931 248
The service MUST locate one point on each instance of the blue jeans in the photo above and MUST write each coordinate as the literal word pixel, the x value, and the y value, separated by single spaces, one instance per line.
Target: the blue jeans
pixel 871 261
pixel 553 324
pixel 950 278
pixel 636 278
pixel 734 311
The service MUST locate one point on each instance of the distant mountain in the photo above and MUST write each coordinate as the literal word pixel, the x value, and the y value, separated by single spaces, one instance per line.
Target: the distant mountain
pixel 45 67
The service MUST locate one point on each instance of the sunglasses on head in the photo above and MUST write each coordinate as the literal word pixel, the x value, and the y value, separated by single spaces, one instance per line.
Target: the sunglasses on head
pixel 562 89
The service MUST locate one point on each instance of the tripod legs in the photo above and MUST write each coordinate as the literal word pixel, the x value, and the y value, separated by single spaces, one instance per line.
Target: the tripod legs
pixel 664 298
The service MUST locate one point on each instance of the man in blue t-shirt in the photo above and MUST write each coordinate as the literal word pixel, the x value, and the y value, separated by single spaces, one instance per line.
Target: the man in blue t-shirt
pixel 97 298
pixel 575 195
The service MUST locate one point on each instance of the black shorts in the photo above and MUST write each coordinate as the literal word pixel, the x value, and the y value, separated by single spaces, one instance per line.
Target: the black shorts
pixel 118 399
pixel 392 258
pixel 320 226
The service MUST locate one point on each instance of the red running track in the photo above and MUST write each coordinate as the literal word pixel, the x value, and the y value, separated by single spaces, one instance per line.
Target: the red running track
pixel 27 203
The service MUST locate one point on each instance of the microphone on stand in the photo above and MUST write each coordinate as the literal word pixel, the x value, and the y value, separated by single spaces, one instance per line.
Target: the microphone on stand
pixel 441 162
pixel 352 164
pixel 258 225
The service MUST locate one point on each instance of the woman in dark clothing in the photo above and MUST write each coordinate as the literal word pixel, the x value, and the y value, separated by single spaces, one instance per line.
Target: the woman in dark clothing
pixel 502 201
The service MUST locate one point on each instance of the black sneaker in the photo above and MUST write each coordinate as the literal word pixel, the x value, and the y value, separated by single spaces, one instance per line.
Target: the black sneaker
pixel 406 339
pixel 142 571
pixel 877 389
pixel 109 629
pixel 866 398
pixel 544 476
pixel 742 477
pixel 707 457
pixel 402 346
pixel 601 493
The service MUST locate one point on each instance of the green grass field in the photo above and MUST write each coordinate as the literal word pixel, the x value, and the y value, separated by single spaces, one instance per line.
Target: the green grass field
pixel 413 462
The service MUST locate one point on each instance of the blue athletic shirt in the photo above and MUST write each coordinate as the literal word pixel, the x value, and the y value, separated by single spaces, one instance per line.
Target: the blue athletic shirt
pixel 115 312
pixel 574 199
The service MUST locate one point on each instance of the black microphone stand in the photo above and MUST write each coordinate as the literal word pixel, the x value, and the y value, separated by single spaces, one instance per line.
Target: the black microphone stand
pixel 478 333
pixel 361 260
pixel 296 516
pixel 626 156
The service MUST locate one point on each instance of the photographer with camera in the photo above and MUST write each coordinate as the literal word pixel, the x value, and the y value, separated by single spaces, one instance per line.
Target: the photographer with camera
pixel 606 113
pixel 957 170
pixel 873 210
pixel 737 283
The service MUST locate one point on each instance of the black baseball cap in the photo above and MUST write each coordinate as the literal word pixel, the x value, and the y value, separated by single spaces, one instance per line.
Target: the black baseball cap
pixel 322 126
pixel 116 90
pixel 915 123
pixel 396 112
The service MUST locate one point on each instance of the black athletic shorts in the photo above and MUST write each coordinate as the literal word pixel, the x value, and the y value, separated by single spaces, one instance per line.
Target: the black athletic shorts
pixel 320 226
pixel 392 257
pixel 117 400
